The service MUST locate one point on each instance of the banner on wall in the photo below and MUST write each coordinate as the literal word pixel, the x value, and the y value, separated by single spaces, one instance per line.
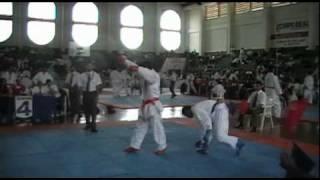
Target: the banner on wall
pixel 76 50
pixel 173 63
pixel 23 106
pixel 292 33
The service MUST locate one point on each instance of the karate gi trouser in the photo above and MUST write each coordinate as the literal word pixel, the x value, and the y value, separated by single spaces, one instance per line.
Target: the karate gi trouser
pixel 274 99
pixel 206 127
pixel 149 116
pixel 116 88
pixel 221 129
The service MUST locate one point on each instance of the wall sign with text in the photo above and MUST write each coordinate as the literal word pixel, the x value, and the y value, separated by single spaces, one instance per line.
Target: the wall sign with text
pixel 290 34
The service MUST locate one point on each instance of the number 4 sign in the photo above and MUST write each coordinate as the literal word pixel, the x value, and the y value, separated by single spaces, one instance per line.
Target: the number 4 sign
pixel 23 106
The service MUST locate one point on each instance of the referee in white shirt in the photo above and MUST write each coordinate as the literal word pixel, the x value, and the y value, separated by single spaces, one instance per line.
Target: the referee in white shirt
pixel 73 82
pixel 91 84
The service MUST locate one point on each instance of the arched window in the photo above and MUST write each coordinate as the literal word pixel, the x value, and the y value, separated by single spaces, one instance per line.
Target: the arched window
pixel 85 23
pixel 131 33
pixel 41 25
pixel 5 20
pixel 170 35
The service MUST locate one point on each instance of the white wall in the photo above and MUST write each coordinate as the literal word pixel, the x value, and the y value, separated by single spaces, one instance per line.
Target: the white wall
pixel 215 35
pixel 252 29
pixel 194 28
pixel 249 32
pixel 108 27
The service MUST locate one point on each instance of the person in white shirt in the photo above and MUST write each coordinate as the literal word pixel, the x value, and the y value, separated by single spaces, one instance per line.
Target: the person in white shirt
pixel 10 76
pixel 116 82
pixel 73 82
pixel 213 116
pixel 173 79
pixel 308 87
pixel 125 81
pixel 91 86
pixel 43 75
pixel 257 101
pixel 273 91
pixel 135 84
pixel 218 90
pixel 233 76
pixel 151 108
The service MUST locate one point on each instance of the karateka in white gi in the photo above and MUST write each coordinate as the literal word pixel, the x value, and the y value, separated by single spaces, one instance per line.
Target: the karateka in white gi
pixel 116 82
pixel 273 91
pixel 213 116
pixel 150 110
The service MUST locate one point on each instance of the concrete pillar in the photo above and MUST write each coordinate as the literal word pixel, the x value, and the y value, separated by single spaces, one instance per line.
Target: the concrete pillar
pixel 230 24
pixel 201 30
pixel 20 11
pixel 157 37
pixel 268 25
pixel 313 20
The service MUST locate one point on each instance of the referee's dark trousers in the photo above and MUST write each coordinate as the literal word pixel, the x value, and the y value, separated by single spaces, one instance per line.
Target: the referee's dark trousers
pixel 90 107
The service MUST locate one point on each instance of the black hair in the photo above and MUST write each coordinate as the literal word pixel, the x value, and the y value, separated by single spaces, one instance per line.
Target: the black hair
pixel 186 111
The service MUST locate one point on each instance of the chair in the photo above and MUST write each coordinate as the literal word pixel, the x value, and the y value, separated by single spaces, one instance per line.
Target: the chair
pixel 267 114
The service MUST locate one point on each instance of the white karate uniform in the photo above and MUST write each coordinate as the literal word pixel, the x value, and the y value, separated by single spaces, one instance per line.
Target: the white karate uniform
pixel 135 85
pixel 190 84
pixel 273 90
pixel 42 77
pixel 125 81
pixel 151 113
pixel 308 88
pixel 218 121
pixel 116 82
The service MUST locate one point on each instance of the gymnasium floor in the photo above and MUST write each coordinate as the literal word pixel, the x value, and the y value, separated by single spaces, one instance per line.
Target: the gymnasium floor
pixel 65 150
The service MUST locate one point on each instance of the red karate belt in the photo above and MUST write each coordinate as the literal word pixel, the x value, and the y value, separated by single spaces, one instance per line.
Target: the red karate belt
pixel 149 101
